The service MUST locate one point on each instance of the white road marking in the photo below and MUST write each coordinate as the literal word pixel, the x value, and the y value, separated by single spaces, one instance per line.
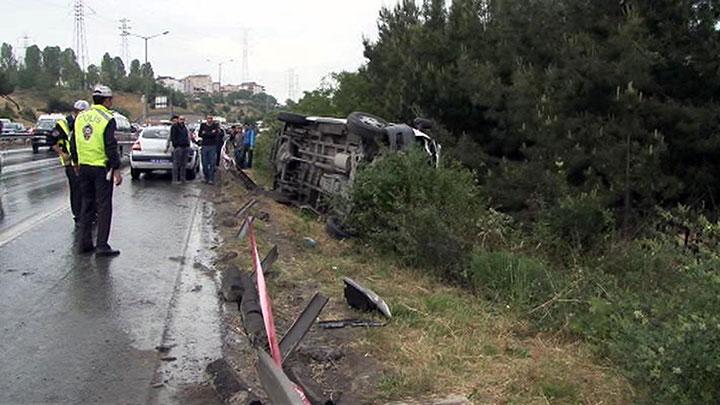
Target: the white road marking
pixel 15 151
pixel 19 229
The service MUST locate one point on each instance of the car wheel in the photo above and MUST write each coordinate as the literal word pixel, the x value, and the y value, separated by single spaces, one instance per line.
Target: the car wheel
pixel 336 230
pixel 292 118
pixel 367 126
pixel 190 174
pixel 134 174
pixel 36 149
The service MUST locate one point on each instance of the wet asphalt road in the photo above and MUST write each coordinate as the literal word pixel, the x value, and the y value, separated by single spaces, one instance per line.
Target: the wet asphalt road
pixel 81 329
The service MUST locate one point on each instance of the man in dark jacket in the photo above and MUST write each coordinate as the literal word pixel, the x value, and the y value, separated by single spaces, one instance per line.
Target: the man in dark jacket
pixel 237 136
pixel 210 136
pixel 180 141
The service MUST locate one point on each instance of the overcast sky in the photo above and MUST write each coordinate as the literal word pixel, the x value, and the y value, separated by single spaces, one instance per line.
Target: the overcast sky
pixel 313 37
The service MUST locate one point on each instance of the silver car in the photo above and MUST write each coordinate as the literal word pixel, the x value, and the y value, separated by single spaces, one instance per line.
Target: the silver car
pixel 149 153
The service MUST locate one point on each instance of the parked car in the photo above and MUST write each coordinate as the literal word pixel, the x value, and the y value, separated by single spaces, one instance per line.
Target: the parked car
pixel 148 154
pixel 41 134
pixel 124 133
pixel 3 122
pixel 14 128
pixel 316 158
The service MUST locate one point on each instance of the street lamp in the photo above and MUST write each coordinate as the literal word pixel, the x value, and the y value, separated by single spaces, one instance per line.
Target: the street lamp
pixel 147 38
pixel 220 70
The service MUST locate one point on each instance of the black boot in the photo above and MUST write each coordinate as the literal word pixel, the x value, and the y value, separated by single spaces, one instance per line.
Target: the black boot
pixel 106 251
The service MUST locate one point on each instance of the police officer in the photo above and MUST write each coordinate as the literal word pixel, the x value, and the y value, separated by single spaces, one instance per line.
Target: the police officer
pixel 61 145
pixel 94 150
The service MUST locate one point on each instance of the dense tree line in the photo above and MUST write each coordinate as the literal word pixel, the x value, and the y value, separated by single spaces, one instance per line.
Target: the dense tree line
pixel 54 68
pixel 545 98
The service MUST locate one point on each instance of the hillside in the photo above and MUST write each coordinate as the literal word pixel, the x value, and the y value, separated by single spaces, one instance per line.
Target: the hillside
pixel 37 101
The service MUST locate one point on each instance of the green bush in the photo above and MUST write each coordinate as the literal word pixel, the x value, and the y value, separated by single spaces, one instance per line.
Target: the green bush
pixel 579 224
pixel 261 163
pixel 652 310
pixel 427 217
pixel 511 279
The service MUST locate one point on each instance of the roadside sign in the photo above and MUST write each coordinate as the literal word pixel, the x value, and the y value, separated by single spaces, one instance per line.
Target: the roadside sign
pixel 161 102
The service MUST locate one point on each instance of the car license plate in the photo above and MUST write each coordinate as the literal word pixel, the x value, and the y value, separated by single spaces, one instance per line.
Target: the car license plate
pixel 160 161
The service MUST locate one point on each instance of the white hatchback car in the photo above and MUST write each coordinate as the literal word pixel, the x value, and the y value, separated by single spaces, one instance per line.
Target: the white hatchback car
pixel 148 154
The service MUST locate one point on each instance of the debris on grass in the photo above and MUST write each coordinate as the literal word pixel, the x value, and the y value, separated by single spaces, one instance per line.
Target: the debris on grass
pixel 364 299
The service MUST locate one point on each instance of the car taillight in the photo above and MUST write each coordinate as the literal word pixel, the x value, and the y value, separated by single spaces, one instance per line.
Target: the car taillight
pixel 136 146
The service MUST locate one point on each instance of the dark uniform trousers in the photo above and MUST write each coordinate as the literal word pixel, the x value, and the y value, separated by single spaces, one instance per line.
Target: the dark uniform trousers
pixel 96 193
pixel 75 193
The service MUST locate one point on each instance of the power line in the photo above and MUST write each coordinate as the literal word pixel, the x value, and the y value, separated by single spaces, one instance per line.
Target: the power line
pixel 124 34
pixel 79 38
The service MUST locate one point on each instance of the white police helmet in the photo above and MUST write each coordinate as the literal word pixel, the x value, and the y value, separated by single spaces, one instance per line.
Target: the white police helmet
pixel 81 105
pixel 102 91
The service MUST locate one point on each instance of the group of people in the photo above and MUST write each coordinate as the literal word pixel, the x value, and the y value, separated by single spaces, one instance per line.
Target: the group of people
pixel 85 142
pixel 88 150
pixel 211 138
pixel 242 138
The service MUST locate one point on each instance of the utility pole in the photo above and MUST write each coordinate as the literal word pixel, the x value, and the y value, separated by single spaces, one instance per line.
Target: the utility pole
pixel 220 64
pixel 145 95
pixel 79 38
pixel 24 44
pixel 124 34
pixel 245 57
pixel 293 84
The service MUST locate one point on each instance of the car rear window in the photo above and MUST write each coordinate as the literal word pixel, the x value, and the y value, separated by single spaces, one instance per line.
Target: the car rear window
pixel 160 133
pixel 46 124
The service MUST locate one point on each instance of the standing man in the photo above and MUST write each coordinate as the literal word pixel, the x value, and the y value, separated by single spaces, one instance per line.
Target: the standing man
pixel 210 136
pixel 60 143
pixel 238 141
pixel 180 141
pixel 250 134
pixel 94 150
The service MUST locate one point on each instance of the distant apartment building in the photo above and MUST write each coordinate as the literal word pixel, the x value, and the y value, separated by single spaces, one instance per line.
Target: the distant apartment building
pixel 230 88
pixel 252 87
pixel 196 84
pixel 171 83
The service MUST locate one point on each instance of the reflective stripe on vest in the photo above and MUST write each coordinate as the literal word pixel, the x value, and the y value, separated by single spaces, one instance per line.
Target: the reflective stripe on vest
pixel 89 135
pixel 63 143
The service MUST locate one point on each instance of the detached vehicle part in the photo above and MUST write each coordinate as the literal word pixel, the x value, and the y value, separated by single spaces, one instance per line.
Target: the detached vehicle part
pixel 364 299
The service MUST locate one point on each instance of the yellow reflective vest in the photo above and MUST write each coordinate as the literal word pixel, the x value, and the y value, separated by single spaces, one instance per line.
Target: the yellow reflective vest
pixel 89 135
pixel 64 144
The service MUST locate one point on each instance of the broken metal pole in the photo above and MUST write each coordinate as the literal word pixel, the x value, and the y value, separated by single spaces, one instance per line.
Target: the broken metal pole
pixel 270 259
pixel 246 180
pixel 245 207
pixel 242 232
pixel 276 384
pixel 302 325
